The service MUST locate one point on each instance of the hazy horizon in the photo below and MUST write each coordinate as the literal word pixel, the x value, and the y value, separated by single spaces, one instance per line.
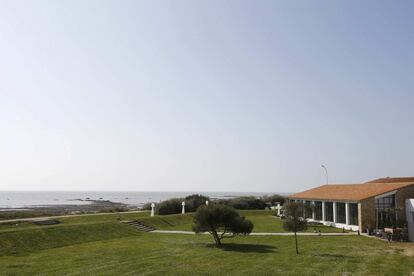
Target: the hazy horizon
pixel 149 191
pixel 204 95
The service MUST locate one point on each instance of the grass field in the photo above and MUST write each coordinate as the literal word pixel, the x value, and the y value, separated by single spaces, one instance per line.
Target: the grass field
pixel 263 221
pixel 102 245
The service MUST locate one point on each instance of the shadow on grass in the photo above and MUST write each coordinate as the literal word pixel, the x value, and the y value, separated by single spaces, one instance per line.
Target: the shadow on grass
pixel 336 256
pixel 246 248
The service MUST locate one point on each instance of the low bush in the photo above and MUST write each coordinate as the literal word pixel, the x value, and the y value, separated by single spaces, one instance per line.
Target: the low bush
pixel 192 202
pixel 114 210
pixel 5 215
pixel 272 200
pixel 146 206
pixel 170 206
pixel 244 203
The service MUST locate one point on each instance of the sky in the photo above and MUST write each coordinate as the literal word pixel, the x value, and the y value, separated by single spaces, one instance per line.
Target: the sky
pixel 248 96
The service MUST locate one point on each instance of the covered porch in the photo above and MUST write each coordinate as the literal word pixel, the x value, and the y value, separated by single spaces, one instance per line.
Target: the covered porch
pixel 340 214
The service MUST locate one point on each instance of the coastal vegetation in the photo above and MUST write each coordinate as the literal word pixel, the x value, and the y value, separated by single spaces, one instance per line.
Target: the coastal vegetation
pixel 173 206
pixel 192 202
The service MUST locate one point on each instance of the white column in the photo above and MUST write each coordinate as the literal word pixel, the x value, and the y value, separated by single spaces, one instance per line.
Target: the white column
pixel 152 209
pixel 278 207
pixel 334 211
pixel 304 211
pixel 313 210
pixel 347 213
pixel 323 210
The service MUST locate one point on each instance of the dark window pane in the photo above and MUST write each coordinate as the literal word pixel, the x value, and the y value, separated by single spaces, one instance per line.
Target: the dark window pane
pixel 340 212
pixel 353 213
pixel 328 211
pixel 318 210
pixel 308 210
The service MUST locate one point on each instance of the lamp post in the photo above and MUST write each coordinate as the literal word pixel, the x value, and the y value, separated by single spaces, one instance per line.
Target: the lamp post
pixel 326 172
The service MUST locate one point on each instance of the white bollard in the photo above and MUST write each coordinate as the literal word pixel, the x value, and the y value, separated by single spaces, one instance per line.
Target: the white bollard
pixel 207 202
pixel 152 209
pixel 183 204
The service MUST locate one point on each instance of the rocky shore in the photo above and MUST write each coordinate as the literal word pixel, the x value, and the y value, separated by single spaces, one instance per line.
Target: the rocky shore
pixel 92 206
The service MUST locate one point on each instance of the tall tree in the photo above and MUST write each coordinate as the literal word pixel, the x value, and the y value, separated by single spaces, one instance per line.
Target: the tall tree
pixel 220 221
pixel 295 221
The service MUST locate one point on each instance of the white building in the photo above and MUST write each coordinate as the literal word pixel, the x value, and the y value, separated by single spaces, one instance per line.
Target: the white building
pixel 371 205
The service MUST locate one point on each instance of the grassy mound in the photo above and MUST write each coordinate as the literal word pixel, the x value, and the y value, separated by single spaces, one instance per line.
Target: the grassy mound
pixel 34 239
pixel 170 222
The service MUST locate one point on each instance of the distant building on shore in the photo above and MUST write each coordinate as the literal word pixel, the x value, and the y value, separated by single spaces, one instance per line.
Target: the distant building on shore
pixel 371 205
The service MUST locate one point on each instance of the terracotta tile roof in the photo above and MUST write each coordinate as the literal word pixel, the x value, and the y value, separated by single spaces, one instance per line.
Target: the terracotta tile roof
pixel 355 192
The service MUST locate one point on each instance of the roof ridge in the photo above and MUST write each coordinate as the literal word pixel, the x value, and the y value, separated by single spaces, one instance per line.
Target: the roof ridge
pixel 392 179
pixel 350 191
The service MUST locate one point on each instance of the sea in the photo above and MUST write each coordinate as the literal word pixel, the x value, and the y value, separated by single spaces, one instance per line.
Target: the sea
pixel 26 199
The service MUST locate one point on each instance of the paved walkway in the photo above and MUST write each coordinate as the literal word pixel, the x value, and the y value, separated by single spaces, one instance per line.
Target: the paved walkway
pixel 259 234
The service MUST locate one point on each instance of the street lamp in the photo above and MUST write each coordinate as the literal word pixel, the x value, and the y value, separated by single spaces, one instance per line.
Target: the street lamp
pixel 326 172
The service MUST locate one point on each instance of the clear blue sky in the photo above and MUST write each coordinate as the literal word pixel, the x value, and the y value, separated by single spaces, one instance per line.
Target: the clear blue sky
pixel 204 95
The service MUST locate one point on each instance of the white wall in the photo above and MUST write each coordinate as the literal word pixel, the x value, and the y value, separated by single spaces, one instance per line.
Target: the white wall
pixel 409 207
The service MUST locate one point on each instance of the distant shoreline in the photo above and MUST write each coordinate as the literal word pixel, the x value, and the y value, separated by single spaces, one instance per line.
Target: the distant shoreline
pixel 29 205
pixel 19 200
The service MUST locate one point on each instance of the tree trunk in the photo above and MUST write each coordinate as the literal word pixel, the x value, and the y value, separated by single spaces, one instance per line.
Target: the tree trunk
pixel 296 243
pixel 216 238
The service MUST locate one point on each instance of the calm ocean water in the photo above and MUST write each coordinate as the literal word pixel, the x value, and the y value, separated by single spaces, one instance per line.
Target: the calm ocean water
pixel 21 199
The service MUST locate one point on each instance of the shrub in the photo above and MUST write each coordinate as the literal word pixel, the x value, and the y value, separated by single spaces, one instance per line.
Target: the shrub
pixel 170 206
pixel 246 203
pixel 192 202
pixel 146 206
pixel 114 210
pixel 272 200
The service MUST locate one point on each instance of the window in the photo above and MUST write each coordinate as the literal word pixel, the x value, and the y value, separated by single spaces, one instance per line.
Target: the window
pixel 386 202
pixel 328 211
pixel 308 209
pixel 340 212
pixel 318 210
pixel 353 213
pixel 385 207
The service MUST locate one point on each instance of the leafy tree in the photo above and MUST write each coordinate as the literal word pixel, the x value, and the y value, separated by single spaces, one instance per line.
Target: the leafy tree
pixel 192 202
pixel 295 221
pixel 220 221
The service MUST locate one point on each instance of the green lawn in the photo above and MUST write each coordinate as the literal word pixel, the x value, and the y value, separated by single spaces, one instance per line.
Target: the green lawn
pixel 263 221
pixel 161 254
pixel 101 245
